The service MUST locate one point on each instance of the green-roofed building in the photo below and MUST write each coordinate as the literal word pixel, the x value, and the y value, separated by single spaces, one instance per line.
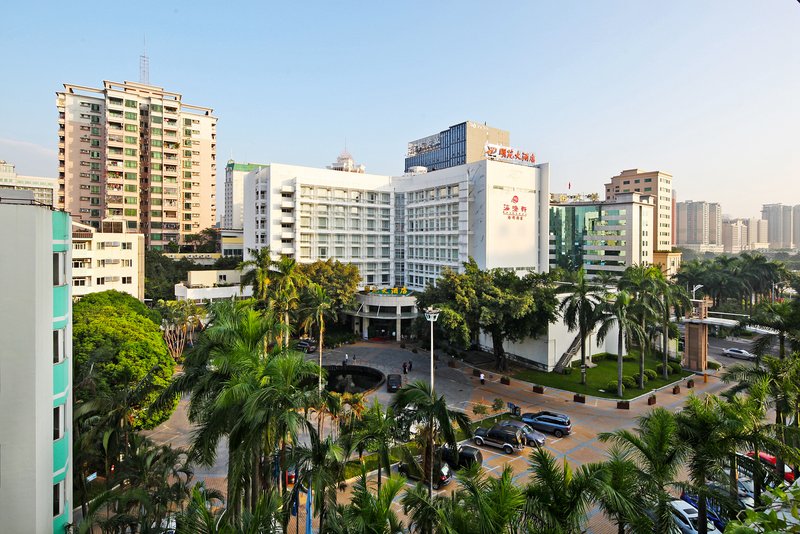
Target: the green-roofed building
pixel 233 218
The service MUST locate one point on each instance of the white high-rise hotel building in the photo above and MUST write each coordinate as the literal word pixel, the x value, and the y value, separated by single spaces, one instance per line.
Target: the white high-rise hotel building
pixel 402 231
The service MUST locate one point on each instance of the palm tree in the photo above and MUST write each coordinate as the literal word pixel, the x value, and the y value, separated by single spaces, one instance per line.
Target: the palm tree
pixel 558 498
pixel 627 504
pixel 257 273
pixel 779 381
pixel 228 353
pixel 578 308
pixel 288 279
pixel 641 282
pixel 368 512
pixel 657 455
pixel 703 430
pixel 320 467
pixel 377 435
pixel 317 308
pixel 426 513
pixel 616 313
pixel 436 420
pixel 781 321
pixel 493 504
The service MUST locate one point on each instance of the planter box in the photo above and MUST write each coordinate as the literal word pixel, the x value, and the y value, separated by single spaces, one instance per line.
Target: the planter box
pixel 579 398
pixel 476 372
pixel 451 364
pixel 505 380
pixel 538 389
pixel 623 405
pixel 690 383
pixel 676 390
pixel 651 400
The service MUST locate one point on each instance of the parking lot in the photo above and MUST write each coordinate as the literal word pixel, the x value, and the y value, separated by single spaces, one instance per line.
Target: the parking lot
pixel 462 391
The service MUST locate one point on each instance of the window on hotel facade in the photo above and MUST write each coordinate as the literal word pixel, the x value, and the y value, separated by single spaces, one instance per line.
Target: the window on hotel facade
pixel 58 346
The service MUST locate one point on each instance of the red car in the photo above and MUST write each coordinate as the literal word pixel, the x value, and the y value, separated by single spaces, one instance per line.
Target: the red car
pixel 770 461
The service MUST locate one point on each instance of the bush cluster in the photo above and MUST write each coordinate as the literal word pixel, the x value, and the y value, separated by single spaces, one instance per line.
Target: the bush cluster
pixel 628 381
pixel 611 387
pixel 650 374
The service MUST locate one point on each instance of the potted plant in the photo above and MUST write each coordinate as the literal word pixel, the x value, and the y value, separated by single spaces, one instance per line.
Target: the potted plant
pixel 538 389
pixel 506 381
pixel 676 389
pixel 451 363
pixel 651 400
pixel 623 405
pixel 690 383
pixel 578 397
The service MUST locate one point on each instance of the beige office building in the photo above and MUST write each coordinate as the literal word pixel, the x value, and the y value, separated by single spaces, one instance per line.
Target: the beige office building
pixel 137 153
pixel 657 184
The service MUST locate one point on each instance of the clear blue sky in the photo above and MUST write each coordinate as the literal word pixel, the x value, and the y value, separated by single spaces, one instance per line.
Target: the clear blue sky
pixel 706 90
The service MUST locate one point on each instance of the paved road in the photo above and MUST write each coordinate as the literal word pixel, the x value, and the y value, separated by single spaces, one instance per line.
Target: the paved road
pixel 462 391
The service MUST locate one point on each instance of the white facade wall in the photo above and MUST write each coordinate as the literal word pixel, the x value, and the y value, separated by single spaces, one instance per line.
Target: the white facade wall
pixel 315 214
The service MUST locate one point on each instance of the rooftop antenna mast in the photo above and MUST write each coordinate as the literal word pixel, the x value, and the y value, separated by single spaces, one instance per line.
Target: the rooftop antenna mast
pixel 144 66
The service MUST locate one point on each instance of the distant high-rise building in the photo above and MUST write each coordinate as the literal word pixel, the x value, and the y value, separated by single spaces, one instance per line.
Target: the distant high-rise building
pixel 138 153
pixel 234 193
pixel 699 226
pixel 35 367
pixel 780 226
pixel 734 236
pixel 462 143
pixel 757 234
pixel 43 188
pixel 657 184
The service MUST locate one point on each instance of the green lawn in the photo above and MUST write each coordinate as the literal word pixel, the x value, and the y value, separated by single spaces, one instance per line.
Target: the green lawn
pixel 598 377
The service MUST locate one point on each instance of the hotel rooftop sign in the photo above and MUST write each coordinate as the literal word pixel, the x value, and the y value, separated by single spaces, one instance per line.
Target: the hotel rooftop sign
pixel 510 155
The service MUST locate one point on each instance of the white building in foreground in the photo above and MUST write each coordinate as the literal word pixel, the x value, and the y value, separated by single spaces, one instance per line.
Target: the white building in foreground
pixel 35 367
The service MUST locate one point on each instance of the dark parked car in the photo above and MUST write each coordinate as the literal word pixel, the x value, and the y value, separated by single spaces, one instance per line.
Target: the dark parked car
pixel 509 439
pixel 306 345
pixel 393 383
pixel 442 474
pixel 556 423
pixel 464 456
pixel 532 437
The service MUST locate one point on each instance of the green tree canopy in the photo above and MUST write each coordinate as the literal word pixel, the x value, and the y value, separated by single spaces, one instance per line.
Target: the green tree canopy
pixel 116 299
pixel 339 280
pixel 496 301
pixel 121 347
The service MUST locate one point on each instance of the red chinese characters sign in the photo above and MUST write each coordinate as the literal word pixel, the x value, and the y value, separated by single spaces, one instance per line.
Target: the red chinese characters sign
pixel 514 210
pixel 509 154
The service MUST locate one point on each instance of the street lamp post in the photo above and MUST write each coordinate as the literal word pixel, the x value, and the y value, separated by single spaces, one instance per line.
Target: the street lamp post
pixel 694 290
pixel 431 314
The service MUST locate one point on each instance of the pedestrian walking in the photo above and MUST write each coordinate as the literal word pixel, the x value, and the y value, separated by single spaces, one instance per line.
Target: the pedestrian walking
pixel 346 358
pixel 483 379
pixel 405 368
pixel 409 365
